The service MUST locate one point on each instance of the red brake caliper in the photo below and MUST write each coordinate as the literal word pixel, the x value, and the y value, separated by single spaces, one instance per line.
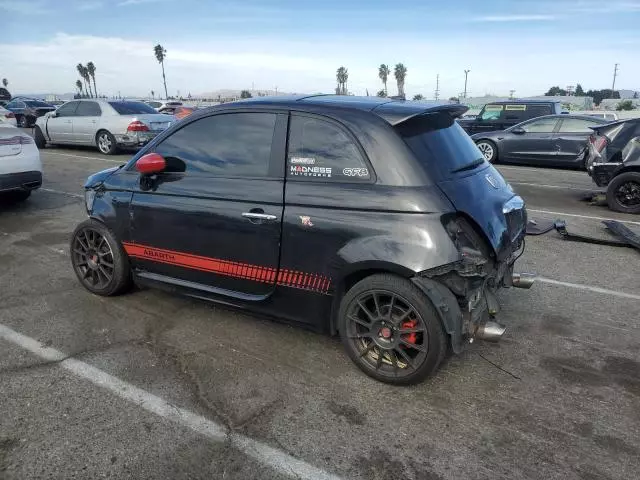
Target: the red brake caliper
pixel 410 337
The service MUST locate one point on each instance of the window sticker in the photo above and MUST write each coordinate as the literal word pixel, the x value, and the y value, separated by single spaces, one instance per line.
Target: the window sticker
pixel 304 171
pixel 493 108
pixel 517 108
pixel 355 172
pixel 302 160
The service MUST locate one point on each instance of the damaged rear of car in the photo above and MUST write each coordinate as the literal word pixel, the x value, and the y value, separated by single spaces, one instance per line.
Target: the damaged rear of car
pixel 614 162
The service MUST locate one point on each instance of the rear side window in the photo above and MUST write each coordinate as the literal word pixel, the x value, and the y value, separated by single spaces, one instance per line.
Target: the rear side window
pixel 37 104
pixel 534 111
pixel 131 108
pixel 440 144
pixel 228 145
pixel 321 150
pixel 88 109
pixel 516 113
pixel 576 125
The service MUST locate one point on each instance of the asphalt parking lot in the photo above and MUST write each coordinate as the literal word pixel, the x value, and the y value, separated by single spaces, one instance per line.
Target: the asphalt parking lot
pixel 149 385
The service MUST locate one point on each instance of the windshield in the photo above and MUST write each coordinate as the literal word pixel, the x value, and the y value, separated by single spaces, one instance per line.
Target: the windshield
pixel 131 108
pixel 440 144
pixel 37 104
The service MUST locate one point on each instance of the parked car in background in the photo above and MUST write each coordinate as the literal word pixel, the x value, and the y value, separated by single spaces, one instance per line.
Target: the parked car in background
pixel 20 167
pixel 108 125
pixel 28 110
pixel 357 215
pixel 168 107
pixel 5 96
pixel 614 162
pixel 608 116
pixel 7 117
pixel 502 115
pixel 182 112
pixel 554 140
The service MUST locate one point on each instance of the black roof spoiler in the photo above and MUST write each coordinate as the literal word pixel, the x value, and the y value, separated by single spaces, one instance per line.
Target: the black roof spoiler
pixel 615 123
pixel 399 112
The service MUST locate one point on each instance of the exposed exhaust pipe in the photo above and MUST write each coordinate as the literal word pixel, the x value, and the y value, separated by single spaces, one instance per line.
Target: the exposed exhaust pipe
pixel 490 331
pixel 523 280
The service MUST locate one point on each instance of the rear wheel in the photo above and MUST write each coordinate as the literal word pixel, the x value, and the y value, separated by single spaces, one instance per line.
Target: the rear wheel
pixel 41 142
pixel 99 260
pixel 391 330
pixel 23 121
pixel 106 142
pixel 488 149
pixel 623 193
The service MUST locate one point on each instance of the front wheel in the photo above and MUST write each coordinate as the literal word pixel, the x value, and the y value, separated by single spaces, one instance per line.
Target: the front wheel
pixel 98 259
pixel 623 193
pixel 23 121
pixel 41 142
pixel 391 330
pixel 488 149
pixel 106 143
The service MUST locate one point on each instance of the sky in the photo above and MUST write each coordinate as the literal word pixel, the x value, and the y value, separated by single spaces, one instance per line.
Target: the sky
pixel 297 45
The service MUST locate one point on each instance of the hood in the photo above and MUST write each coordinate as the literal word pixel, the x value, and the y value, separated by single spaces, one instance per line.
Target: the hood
pixel 97 178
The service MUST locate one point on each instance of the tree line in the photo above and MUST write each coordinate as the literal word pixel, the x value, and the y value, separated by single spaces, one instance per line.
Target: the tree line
pixel 597 95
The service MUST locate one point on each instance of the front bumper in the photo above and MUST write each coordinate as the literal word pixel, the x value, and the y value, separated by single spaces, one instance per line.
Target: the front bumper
pixel 24 181
pixel 135 139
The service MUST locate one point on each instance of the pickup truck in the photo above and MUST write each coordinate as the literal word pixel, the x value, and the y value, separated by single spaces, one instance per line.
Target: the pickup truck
pixel 502 115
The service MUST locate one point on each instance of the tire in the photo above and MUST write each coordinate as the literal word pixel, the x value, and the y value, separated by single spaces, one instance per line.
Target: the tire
pixel 106 143
pixel 41 142
pixel 98 259
pixel 364 336
pixel 488 149
pixel 23 121
pixel 623 193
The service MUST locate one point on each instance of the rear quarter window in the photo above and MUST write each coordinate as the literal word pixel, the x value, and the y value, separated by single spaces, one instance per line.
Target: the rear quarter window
pixel 439 144
pixel 323 151
pixel 131 108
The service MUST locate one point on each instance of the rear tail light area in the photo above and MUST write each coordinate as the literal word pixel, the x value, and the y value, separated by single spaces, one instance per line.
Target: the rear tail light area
pixel 600 143
pixel 472 247
pixel 16 140
pixel 137 126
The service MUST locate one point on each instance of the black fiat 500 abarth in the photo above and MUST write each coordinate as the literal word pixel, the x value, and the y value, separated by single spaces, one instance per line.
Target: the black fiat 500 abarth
pixel 374 219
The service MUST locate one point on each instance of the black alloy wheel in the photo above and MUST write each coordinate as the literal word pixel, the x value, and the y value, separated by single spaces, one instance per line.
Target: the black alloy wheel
pixel 98 259
pixel 23 121
pixel 391 330
pixel 623 193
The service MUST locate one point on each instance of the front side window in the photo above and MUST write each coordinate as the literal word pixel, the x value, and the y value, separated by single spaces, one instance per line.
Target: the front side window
pixel 543 125
pixel 228 145
pixel 320 150
pixel 576 125
pixel 67 110
pixel 492 112
pixel 88 109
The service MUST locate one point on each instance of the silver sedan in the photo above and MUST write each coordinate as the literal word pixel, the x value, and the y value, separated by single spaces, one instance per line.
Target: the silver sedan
pixel 105 124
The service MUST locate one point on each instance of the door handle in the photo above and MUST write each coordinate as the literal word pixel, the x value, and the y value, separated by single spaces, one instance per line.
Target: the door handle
pixel 258 216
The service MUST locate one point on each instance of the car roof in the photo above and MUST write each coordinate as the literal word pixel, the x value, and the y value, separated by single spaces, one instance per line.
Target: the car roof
pixel 520 102
pixel 393 111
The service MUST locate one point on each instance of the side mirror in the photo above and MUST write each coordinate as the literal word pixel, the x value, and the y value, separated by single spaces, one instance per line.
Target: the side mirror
pixel 518 131
pixel 53 114
pixel 151 163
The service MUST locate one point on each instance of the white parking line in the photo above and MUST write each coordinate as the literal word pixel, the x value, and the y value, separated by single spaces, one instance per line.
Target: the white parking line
pixel 581 216
pixel 589 288
pixel 548 186
pixel 277 459
pixel 120 162
pixel 51 190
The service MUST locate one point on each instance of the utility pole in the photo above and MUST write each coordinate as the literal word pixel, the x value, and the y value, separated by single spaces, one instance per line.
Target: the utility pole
pixel 615 74
pixel 276 90
pixel 511 92
pixel 466 73
pixel 437 92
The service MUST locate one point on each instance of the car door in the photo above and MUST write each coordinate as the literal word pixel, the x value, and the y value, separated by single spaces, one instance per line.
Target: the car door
pixel 212 219
pixel 59 125
pixel 571 140
pixel 530 142
pixel 86 121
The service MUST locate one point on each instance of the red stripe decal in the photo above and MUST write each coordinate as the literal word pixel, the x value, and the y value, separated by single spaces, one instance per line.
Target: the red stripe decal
pixel 231 269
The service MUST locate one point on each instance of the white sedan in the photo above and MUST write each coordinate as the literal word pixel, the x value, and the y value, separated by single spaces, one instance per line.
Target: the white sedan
pixel 7 117
pixel 20 166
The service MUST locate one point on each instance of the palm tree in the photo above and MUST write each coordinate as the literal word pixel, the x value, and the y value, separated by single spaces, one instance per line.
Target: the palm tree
pixel 84 74
pixel 342 75
pixel 153 94
pixel 5 82
pixel 383 73
pixel 418 96
pixel 161 54
pixel 79 87
pixel 91 70
pixel 400 72
pixel 381 93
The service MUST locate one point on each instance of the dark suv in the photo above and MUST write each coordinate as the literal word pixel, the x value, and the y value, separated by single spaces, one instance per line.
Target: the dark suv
pixel 502 115
pixel 372 218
